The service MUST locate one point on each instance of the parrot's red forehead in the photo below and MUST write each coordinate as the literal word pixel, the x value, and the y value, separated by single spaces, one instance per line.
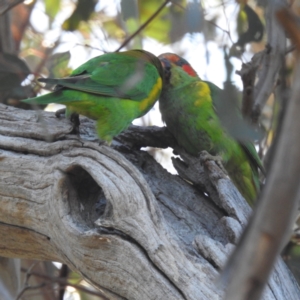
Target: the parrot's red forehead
pixel 171 57
pixel 188 69
pixel 178 61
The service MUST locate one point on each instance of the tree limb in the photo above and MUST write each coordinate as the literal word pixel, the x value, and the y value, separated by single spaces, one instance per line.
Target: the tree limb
pixel 271 60
pixel 252 262
pixel 119 219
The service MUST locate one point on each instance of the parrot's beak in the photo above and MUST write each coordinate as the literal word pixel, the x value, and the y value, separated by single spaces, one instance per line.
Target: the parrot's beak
pixel 166 64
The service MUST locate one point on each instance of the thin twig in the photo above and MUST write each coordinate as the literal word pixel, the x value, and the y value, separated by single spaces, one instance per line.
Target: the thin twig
pixel 254 258
pixel 209 21
pixel 63 273
pixel 64 282
pixel 26 288
pixel 227 21
pixel 177 4
pixel 219 27
pixel 143 26
pixel 271 63
pixel 26 285
pixel 88 46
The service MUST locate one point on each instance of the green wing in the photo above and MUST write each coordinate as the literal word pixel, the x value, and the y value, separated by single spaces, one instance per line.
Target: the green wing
pixel 248 147
pixel 253 156
pixel 121 75
pixel 214 89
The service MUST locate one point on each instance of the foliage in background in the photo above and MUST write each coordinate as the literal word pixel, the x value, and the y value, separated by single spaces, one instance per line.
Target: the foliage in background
pixel 49 38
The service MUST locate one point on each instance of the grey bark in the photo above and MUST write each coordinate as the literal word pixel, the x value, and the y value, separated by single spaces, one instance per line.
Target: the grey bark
pixel 114 215
pixel 10 281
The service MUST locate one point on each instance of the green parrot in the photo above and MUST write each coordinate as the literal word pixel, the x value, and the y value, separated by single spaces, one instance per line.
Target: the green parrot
pixel 187 107
pixel 113 88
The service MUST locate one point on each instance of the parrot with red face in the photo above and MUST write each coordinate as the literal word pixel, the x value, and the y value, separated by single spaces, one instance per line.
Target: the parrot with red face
pixel 187 107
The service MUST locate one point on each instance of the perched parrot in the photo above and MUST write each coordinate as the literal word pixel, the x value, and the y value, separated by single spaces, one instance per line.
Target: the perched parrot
pixel 113 88
pixel 187 107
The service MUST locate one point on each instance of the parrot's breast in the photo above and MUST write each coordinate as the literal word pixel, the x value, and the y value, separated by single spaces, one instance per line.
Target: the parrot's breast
pixel 153 95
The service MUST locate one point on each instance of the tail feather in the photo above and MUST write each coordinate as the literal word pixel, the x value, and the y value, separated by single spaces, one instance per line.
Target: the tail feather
pixel 49 80
pixel 55 97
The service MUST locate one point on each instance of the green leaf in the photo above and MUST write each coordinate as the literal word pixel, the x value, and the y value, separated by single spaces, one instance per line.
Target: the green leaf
pixel 114 29
pixel 74 277
pixel 52 7
pixel 168 26
pixel 133 25
pixel 130 14
pixel 158 29
pixel 248 18
pixel 82 12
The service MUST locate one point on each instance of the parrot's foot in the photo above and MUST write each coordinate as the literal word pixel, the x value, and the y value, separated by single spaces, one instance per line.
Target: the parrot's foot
pixel 60 112
pixel 205 156
pixel 104 143
pixel 74 118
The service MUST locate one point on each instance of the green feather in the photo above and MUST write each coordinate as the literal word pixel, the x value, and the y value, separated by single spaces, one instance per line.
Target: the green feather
pixel 187 105
pixel 113 88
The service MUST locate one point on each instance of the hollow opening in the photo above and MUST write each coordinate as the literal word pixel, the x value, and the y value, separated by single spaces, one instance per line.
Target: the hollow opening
pixel 86 198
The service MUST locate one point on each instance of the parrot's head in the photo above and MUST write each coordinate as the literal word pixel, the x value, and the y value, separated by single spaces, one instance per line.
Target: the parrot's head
pixel 144 56
pixel 176 69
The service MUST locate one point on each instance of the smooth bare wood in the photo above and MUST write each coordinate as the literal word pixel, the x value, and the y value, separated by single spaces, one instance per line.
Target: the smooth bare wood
pixel 117 217
pixel 271 59
pixel 272 223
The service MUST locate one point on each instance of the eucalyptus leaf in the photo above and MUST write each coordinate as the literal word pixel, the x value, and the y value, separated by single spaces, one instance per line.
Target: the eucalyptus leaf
pixel 250 27
pixel 82 12
pixel 52 7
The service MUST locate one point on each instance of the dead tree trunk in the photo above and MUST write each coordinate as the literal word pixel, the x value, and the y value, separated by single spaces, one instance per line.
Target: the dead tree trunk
pixel 117 217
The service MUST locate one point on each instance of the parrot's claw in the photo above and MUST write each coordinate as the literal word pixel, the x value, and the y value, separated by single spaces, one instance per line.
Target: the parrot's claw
pixel 205 156
pixel 74 118
pixel 60 112
pixel 104 143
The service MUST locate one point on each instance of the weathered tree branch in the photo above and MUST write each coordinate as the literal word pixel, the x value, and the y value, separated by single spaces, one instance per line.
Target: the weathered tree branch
pixel 275 213
pixel 118 218
pixel 271 60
